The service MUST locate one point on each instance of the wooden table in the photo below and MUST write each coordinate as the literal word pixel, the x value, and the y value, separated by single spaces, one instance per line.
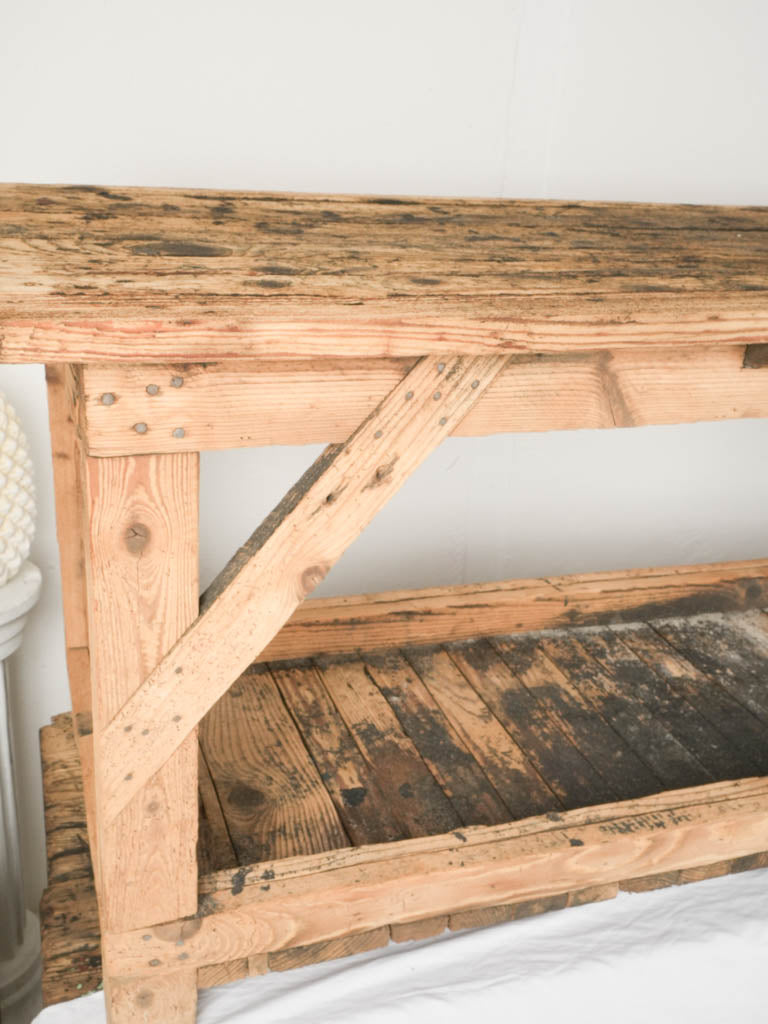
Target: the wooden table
pixel 173 321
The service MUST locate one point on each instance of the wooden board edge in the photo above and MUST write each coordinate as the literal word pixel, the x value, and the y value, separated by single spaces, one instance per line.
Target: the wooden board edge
pixel 440 614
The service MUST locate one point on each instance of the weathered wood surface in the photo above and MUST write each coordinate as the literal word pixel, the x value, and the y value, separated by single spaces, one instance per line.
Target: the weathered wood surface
pixel 180 275
pixel 439 614
pixel 282 562
pixel 369 732
pixel 231 405
pixel 363 889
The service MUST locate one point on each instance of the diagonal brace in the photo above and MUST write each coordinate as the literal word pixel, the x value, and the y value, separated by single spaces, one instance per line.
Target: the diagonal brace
pixel 284 560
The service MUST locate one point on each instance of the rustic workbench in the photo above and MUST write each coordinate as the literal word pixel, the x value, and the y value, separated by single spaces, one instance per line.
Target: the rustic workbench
pixel 269 781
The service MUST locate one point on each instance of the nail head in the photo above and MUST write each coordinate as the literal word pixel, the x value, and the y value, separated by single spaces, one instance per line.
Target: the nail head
pixel 408 395
pixel 108 398
pixel 152 389
pixel 475 383
pixel 176 382
pixel 140 428
pixel 436 396
pixel 178 432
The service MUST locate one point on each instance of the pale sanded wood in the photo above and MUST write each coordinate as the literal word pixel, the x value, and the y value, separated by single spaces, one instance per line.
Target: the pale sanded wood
pixel 225 405
pixel 63 386
pixel 283 561
pixel 625 839
pixel 182 275
pixel 141 560
pixel 437 614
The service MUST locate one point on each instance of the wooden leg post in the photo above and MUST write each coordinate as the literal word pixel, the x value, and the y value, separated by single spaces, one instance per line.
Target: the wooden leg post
pixel 142 574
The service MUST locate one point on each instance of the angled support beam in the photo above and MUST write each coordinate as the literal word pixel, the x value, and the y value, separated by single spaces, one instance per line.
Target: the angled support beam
pixel 284 561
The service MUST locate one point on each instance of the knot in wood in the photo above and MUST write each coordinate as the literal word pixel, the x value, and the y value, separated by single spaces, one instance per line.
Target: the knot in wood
pixel 312 576
pixel 137 537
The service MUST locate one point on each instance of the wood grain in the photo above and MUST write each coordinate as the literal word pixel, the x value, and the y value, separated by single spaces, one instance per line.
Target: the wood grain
pixel 232 405
pixel 535 859
pixel 282 562
pixel 271 793
pixel 141 561
pixel 438 614
pixel 180 275
pixel 506 765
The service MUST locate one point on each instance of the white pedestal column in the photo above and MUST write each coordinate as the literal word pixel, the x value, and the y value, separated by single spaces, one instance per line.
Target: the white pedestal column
pixel 19 929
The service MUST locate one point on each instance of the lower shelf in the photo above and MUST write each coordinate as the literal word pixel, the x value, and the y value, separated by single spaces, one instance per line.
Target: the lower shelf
pixel 306 757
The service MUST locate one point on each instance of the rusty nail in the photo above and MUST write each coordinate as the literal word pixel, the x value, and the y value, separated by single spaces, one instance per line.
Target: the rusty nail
pixel 129 776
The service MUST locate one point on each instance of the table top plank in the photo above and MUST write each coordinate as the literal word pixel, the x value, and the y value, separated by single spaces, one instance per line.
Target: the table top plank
pixel 91 274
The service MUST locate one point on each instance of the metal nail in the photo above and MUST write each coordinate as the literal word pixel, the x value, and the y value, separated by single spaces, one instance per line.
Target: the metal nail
pixel 152 389
pixel 178 432
pixel 176 382
pixel 108 398
pixel 140 428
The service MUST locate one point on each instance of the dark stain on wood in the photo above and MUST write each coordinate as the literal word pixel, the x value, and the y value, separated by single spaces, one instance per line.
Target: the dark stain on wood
pixel 137 536
pixel 756 357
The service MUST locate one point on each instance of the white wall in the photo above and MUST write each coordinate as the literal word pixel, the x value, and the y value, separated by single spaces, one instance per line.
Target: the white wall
pixel 610 99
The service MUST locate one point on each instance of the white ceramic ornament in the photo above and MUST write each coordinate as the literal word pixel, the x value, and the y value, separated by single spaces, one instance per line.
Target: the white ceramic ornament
pixel 17 494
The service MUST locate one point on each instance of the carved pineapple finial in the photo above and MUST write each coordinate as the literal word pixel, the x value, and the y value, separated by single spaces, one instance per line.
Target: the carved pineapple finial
pixel 17 493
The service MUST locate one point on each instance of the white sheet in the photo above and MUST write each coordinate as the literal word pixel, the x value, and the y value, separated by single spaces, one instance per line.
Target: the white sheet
pixel 697 953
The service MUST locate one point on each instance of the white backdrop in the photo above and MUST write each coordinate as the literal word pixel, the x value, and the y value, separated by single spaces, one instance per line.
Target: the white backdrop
pixel 598 99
